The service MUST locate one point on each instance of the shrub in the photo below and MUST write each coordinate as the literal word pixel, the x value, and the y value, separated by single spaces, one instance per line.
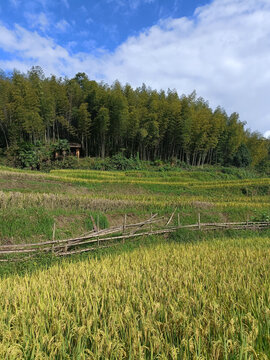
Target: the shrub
pixel 242 158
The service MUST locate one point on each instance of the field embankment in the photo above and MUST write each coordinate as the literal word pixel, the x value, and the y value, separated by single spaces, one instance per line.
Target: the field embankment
pixel 30 202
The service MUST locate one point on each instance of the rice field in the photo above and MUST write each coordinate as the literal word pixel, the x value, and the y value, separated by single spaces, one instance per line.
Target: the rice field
pixel 68 198
pixel 188 296
pixel 205 300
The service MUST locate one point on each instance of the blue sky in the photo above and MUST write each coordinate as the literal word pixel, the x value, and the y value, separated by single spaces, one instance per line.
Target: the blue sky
pixel 92 26
pixel 221 48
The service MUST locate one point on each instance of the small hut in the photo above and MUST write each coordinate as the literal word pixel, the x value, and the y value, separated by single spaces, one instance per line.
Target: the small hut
pixel 75 149
pixel 67 148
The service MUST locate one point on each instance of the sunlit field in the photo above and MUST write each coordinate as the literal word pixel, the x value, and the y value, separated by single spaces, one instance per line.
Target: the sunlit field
pixel 32 202
pixel 186 296
pixel 206 300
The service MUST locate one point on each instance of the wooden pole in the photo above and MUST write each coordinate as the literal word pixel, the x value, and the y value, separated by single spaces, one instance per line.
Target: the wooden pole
pixel 94 224
pixel 53 235
pixel 98 226
pixel 124 222
pixel 178 219
pixel 199 221
pixel 124 225
pixel 151 227
pixel 171 217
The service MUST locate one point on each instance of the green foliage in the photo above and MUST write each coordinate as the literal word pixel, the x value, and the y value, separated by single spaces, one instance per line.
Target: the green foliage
pixel 60 146
pixel 242 157
pixel 263 167
pixel 120 162
pixel 100 220
pixel 27 156
pixel 106 119
pixel 13 223
pixel 261 216
pixel 30 156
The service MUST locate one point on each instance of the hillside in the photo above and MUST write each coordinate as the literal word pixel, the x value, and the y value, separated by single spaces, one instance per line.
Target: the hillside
pixel 32 202
pixel 190 295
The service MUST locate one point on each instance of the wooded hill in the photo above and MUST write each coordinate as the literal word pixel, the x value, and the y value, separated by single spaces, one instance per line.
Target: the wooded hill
pixel 107 120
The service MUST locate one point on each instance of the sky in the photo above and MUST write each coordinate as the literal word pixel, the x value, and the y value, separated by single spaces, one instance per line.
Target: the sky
pixel 220 48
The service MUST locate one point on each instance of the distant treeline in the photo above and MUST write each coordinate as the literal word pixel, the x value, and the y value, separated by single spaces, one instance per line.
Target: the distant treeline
pixel 107 120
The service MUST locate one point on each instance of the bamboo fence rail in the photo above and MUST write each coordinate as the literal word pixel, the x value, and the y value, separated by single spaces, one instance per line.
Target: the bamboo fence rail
pixel 110 237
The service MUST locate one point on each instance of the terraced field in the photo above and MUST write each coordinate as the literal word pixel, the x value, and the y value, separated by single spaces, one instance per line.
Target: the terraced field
pixel 32 202
pixel 187 296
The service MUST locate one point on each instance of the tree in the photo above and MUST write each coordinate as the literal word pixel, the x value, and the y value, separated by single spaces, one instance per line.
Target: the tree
pixel 103 121
pixel 84 125
pixel 112 119
pixel 242 157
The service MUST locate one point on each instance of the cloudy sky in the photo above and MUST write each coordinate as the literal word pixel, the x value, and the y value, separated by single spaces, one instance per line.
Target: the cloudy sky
pixel 221 48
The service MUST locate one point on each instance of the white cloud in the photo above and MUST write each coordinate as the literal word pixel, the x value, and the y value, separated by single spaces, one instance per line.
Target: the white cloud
pixel 39 21
pixel 62 25
pixel 223 52
pixel 29 48
pixel 267 134
pixel 89 21
pixel 132 4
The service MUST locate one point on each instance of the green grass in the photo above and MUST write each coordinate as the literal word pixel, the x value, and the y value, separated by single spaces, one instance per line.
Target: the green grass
pixel 31 202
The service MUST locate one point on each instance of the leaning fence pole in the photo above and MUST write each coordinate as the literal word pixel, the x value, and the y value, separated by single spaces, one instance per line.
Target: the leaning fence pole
pixel 171 217
pixel 199 221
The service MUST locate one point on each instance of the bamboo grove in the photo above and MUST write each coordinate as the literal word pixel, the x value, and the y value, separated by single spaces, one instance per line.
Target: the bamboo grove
pixel 107 120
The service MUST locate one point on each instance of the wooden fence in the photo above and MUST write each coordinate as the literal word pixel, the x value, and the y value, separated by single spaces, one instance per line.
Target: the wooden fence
pixel 112 236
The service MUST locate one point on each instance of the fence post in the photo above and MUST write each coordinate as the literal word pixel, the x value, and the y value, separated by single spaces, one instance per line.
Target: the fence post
pixel 199 221
pixel 98 222
pixel 98 228
pixel 53 234
pixel 53 237
pixel 178 220
pixel 124 225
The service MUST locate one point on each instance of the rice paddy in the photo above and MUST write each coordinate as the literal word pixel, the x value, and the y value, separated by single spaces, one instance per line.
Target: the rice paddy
pixel 189 296
pixel 208 300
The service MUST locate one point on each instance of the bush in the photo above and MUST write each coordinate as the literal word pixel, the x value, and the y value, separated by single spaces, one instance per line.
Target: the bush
pixel 263 216
pixel 29 156
pixel 69 162
pixel 242 158
pixel 263 167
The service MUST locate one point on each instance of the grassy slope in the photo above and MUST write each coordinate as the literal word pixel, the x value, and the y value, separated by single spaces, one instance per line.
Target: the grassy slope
pixel 150 298
pixel 32 202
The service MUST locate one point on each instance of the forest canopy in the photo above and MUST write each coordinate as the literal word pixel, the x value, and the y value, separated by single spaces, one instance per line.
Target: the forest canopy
pixel 107 120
